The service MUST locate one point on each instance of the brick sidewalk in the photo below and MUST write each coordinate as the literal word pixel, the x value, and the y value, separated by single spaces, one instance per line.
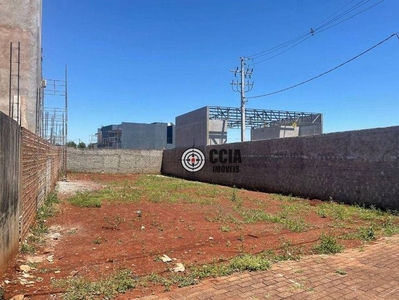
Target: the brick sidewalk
pixel 369 273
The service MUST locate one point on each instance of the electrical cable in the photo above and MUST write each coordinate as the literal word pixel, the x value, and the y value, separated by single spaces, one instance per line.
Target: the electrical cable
pixel 258 62
pixel 356 6
pixel 324 73
pixel 320 27
pixel 307 33
pixel 350 17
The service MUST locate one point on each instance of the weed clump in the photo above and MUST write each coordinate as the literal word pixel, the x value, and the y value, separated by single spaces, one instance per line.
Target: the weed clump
pixel 327 245
pixel 106 288
pixel 40 228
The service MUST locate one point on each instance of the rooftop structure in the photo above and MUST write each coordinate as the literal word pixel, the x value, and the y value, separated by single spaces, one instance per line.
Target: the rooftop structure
pixel 208 125
pixel 259 118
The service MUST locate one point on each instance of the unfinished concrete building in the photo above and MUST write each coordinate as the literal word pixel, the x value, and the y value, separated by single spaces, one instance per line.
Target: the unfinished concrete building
pixel 20 61
pixel 136 136
pixel 199 128
pixel 208 125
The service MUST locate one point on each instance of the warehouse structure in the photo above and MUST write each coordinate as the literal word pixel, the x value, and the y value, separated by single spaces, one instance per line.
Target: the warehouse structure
pixel 136 136
pixel 208 125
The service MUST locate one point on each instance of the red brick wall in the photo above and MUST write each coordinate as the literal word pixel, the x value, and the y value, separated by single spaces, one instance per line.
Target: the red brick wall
pixel 42 165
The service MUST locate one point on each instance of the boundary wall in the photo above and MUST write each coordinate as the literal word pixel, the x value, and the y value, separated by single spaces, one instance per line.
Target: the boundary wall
pixel 29 170
pixel 114 160
pixel 353 167
pixel 10 188
pixel 42 165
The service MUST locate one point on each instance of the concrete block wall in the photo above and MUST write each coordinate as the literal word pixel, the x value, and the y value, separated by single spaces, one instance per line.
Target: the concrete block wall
pixel 192 128
pixel 352 167
pixel 114 160
pixel 10 167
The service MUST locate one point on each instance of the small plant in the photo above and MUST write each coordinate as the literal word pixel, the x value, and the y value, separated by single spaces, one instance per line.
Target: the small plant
pixel 225 228
pixel 210 270
pixel 97 241
pixel 288 252
pixel 27 248
pixel 389 227
pixel 327 245
pixel 322 212
pixel 234 195
pixel 39 228
pixel 184 280
pixel 106 288
pixel 247 262
pixel 340 272
pixel 114 222
pixel 295 224
pixel 367 233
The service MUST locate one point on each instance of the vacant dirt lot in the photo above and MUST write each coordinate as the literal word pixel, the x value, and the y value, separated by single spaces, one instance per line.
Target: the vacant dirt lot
pixel 134 228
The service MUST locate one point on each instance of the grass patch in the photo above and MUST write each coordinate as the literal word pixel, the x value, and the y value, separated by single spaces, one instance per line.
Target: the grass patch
pixel 225 228
pixel 27 248
pixel 327 245
pixel 86 199
pixel 247 262
pixel 243 262
pixel 39 228
pixel 287 252
pixel 210 270
pixel 289 220
pixel 106 288
pixel 160 189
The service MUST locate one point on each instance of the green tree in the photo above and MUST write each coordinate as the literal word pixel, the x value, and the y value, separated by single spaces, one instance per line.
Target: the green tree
pixel 81 145
pixel 71 144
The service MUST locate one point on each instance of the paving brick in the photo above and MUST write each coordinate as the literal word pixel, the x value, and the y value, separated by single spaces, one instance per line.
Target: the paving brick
pixel 220 291
pixel 370 275
pixel 244 283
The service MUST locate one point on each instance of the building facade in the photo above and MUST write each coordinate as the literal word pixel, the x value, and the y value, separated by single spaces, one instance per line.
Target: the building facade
pixel 21 61
pixel 208 125
pixel 137 136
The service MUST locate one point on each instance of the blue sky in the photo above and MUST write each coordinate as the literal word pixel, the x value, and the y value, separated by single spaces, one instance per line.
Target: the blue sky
pixel 150 61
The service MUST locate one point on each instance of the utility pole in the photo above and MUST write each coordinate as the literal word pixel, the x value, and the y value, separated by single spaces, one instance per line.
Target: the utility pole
pixel 242 87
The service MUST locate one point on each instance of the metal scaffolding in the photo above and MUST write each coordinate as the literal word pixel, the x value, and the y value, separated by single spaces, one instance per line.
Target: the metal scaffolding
pixel 14 83
pixel 258 118
pixel 54 113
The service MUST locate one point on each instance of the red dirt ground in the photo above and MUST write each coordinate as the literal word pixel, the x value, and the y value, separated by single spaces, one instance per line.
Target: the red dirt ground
pixel 93 242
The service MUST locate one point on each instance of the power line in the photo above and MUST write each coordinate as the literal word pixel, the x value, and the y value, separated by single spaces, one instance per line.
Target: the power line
pixel 351 16
pixel 332 20
pixel 313 31
pixel 322 74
